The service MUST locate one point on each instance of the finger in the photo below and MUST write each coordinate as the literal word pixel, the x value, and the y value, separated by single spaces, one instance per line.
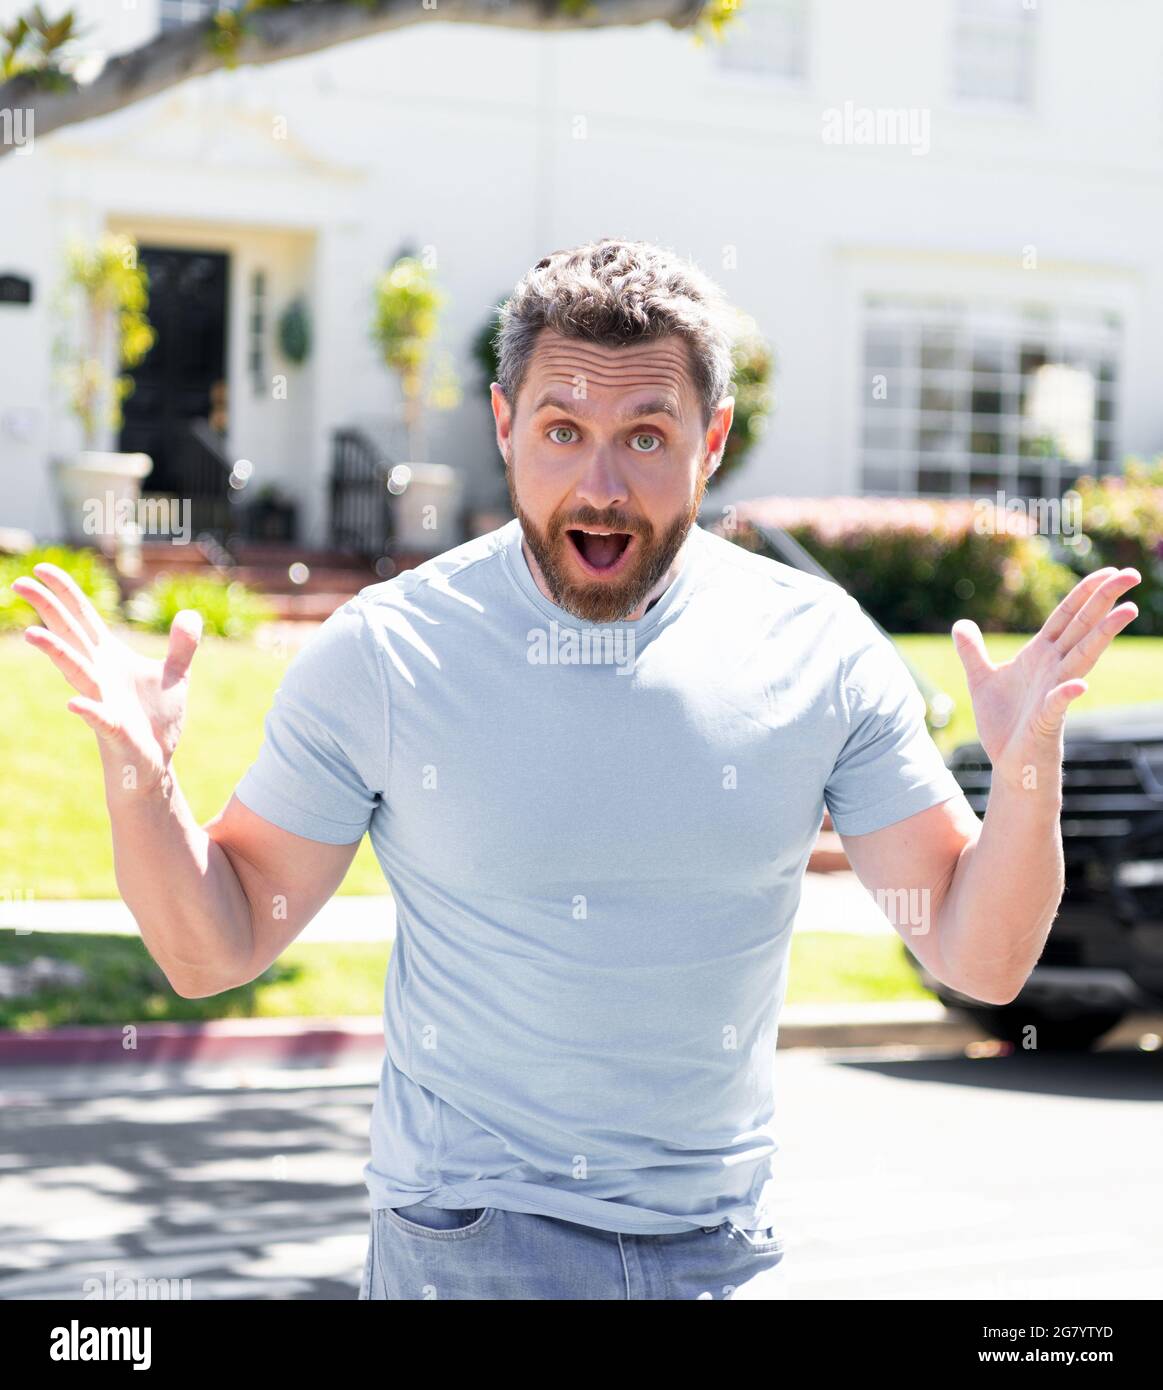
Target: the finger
pixel 185 634
pixel 970 645
pixel 74 667
pixel 52 613
pixel 74 598
pixel 1056 703
pixel 1097 606
pixel 97 716
pixel 1058 621
pixel 1082 656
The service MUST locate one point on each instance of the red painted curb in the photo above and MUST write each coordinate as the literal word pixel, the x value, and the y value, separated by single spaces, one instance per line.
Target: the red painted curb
pixel 219 1040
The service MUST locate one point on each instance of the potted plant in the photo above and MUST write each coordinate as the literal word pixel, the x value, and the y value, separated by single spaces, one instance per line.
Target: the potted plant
pixel 103 299
pixel 407 311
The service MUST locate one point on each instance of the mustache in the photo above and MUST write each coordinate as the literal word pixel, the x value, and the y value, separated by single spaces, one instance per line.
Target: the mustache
pixel 612 521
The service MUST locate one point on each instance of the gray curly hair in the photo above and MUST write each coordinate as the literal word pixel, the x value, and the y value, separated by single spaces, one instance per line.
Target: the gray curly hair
pixel 614 292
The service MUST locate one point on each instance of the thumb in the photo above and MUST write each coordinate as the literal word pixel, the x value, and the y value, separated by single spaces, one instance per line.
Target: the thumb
pixel 185 634
pixel 1054 706
pixel 97 716
pixel 971 649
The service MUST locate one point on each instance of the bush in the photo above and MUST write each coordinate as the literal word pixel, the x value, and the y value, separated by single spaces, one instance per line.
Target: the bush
pixel 918 566
pixel 91 572
pixel 1122 522
pixel 228 608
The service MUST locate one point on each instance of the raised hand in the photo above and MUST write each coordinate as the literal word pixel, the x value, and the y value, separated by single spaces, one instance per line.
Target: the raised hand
pixel 1021 704
pixel 135 705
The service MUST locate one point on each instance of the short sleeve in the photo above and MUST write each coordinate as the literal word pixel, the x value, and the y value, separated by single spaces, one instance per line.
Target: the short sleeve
pixel 321 768
pixel 889 768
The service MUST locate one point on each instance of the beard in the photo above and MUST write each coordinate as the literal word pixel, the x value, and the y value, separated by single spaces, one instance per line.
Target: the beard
pixel 601 600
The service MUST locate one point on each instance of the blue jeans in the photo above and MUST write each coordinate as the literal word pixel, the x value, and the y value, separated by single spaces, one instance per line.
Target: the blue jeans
pixel 425 1252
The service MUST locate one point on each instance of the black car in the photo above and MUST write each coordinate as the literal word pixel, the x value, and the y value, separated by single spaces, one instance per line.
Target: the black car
pixel 1104 956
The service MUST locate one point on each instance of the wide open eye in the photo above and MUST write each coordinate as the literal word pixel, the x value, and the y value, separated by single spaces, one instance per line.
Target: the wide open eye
pixel 652 437
pixel 557 428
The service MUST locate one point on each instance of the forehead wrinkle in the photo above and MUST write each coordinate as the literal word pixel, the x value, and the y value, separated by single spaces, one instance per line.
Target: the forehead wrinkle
pixel 666 360
pixel 635 376
pixel 636 366
pixel 658 406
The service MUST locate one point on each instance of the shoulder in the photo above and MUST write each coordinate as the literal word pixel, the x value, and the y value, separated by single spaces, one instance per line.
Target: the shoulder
pixel 767 579
pixel 452 574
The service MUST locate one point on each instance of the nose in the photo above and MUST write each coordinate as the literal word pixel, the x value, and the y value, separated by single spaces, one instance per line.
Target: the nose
pixel 600 485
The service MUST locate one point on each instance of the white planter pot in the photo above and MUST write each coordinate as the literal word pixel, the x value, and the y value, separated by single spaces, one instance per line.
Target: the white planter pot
pixel 426 513
pixel 97 492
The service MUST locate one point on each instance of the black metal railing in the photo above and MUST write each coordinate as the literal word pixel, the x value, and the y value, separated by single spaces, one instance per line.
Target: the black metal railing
pixel 200 471
pixel 361 504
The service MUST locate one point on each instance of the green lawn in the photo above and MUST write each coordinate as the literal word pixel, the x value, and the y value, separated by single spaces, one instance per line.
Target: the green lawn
pixel 1130 672
pixel 54 830
pixel 329 979
pixel 54 833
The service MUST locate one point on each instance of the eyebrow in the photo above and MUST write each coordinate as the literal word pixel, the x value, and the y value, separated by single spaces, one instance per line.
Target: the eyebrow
pixel 662 405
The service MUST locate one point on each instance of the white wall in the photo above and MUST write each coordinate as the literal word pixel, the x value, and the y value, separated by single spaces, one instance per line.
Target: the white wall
pixel 466 139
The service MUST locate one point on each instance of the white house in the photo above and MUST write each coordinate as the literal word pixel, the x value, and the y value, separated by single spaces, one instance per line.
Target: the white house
pixel 944 215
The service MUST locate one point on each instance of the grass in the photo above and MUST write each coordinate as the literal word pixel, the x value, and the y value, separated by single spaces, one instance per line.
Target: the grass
pixel 329 979
pixel 54 829
pixel 1129 672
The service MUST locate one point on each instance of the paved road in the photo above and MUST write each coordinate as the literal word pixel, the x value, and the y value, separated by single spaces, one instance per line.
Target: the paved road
pixel 905 1176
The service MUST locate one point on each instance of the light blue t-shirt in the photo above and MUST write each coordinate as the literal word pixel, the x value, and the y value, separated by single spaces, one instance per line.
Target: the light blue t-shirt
pixel 596 837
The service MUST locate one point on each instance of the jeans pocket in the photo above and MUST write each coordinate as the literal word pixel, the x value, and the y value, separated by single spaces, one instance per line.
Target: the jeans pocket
pixel 759 1240
pixel 439 1223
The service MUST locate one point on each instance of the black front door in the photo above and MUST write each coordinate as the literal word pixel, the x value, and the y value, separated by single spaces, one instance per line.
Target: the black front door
pixel 173 385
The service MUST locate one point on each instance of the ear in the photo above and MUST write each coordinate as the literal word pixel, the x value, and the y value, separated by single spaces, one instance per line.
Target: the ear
pixel 503 417
pixel 717 432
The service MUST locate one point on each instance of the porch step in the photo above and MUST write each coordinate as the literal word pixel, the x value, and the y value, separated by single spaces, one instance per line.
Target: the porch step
pixel 333 577
pixel 157 556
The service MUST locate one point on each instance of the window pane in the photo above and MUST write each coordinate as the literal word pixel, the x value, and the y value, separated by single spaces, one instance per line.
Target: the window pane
pixel 935 480
pixel 986 383
pixel 768 37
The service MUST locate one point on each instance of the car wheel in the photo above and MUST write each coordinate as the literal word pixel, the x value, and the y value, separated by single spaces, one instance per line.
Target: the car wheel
pixel 1052 1032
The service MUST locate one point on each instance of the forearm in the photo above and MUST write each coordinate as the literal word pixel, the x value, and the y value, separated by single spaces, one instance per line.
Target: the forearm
pixel 1004 894
pixel 185 896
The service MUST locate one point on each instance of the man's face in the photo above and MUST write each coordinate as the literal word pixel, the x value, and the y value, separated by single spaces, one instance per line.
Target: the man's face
pixel 606 460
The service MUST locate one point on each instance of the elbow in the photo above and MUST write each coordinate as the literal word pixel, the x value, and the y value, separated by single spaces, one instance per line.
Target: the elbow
pixel 1001 997
pixel 996 992
pixel 198 986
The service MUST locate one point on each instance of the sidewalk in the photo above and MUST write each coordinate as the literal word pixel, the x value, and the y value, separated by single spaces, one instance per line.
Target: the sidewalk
pixel 835 902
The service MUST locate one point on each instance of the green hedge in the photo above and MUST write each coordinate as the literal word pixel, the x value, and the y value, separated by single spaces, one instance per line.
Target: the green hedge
pixel 1122 520
pixel 919 566
pixel 228 608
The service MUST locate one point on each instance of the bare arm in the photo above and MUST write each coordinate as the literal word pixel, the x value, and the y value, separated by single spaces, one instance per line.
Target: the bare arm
pixel 215 905
pixel 979 899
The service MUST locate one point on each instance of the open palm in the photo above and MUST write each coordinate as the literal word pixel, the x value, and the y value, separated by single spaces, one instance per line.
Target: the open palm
pixel 135 705
pixel 1020 705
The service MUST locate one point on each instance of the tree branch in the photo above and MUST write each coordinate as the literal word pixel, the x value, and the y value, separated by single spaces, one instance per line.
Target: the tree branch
pixel 296 29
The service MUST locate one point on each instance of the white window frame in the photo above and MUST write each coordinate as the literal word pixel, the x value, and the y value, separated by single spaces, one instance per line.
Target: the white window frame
pixel 971 328
pixel 974 19
pixel 741 33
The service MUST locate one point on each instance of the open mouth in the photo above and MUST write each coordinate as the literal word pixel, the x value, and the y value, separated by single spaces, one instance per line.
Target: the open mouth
pixel 601 552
